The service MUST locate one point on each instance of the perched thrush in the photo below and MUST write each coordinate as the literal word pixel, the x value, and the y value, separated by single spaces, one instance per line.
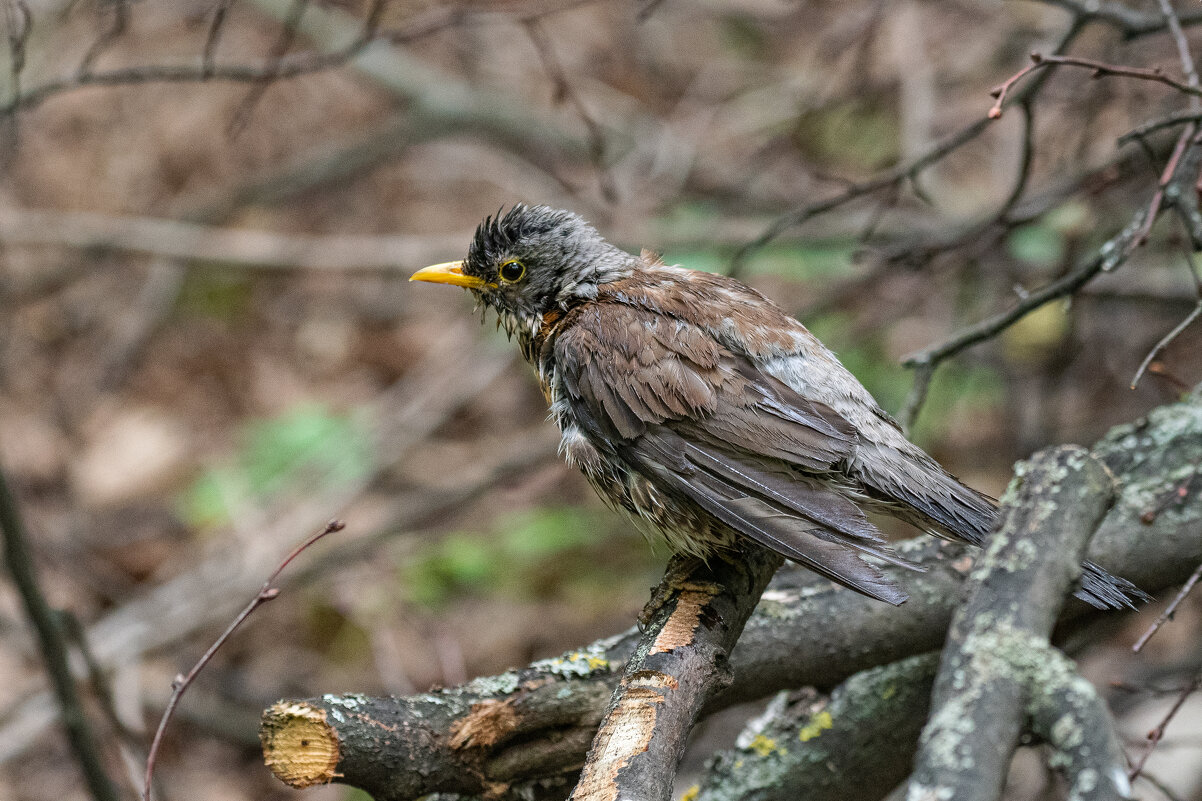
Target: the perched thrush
pixel 697 405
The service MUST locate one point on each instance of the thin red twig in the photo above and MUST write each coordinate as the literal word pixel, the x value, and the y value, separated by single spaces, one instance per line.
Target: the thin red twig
pixel 1155 736
pixel 1101 69
pixel 1166 177
pixel 181 683
pixel 1165 341
pixel 1169 611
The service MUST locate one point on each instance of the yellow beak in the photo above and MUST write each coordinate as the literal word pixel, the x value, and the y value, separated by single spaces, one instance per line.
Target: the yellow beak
pixel 450 272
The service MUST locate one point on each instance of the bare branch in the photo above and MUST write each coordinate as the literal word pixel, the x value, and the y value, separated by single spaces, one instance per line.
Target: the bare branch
pixel 1101 69
pixel 533 725
pixel 1170 121
pixel 267 592
pixel 907 416
pixel 564 92
pixel 998 667
pixel 18 25
pixel 1131 22
pixel 274 60
pixel 1109 256
pixel 1171 609
pixel 1165 341
pixel 857 743
pixel 1188 66
pixel 907 170
pixel 247 248
pixel 1157 734
pixel 213 38
pixel 925 373
pixel 681 662
pixel 107 38
pixel 19 560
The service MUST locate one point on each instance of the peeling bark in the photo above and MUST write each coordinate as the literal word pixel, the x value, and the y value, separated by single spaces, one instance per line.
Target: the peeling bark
pixel 681 661
pixel 804 632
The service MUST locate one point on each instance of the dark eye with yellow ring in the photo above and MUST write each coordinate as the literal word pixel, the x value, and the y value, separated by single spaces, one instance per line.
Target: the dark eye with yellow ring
pixel 512 270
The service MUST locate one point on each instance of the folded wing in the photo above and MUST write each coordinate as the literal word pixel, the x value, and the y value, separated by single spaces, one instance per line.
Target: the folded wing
pixel 707 429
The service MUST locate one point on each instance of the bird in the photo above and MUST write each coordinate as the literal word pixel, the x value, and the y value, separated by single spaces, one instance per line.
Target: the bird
pixel 697 405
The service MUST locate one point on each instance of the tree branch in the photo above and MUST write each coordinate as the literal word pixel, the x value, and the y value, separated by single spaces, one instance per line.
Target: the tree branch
pixel 19 560
pixel 998 668
pixel 858 743
pixel 178 239
pixel 679 664
pixel 538 720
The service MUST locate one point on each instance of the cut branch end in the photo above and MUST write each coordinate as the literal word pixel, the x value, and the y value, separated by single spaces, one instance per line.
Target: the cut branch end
pixel 299 746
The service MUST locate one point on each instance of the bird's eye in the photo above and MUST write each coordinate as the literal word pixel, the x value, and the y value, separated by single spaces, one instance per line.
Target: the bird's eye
pixel 512 270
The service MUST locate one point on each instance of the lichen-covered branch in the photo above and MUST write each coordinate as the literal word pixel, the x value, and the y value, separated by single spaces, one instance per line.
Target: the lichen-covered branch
pixel 681 661
pixel 998 669
pixel 857 743
pixel 535 724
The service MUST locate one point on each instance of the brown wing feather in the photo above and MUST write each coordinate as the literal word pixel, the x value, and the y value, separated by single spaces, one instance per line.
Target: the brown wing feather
pixel 708 429
pixel 742 498
pixel 640 368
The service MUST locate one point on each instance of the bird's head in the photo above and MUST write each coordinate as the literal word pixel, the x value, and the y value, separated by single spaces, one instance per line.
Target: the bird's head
pixel 530 261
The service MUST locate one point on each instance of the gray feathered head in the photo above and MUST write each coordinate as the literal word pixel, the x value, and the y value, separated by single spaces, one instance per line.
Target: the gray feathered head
pixel 532 260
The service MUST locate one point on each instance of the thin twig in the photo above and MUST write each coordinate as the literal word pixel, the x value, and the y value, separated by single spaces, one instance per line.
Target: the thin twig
pixel 1188 66
pixel 446 16
pixel 213 38
pixel 887 203
pixel 1101 69
pixel 281 68
pixel 19 558
pixel 1184 141
pixel 1171 121
pixel 906 171
pixel 270 72
pixel 1129 21
pixel 1026 159
pixel 106 39
pixel 987 328
pixel 181 683
pixel 924 373
pixel 1166 791
pixel 563 91
pixel 178 239
pixel 1165 341
pixel 1155 736
pixel 1170 610
pixel 301 64
pixel 98 678
pixel 908 414
pixel 18 23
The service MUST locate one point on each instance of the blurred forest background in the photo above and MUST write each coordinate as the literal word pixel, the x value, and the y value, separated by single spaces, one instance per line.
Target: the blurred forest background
pixel 208 213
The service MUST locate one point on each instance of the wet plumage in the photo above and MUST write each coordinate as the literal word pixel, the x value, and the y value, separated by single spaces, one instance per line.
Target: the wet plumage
pixel 697 405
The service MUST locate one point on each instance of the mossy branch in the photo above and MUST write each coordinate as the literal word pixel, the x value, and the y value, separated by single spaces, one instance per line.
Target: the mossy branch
pixel 532 726
pixel 998 670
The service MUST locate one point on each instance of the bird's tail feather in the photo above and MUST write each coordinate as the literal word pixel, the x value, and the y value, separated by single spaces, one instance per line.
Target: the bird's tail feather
pixel 936 500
